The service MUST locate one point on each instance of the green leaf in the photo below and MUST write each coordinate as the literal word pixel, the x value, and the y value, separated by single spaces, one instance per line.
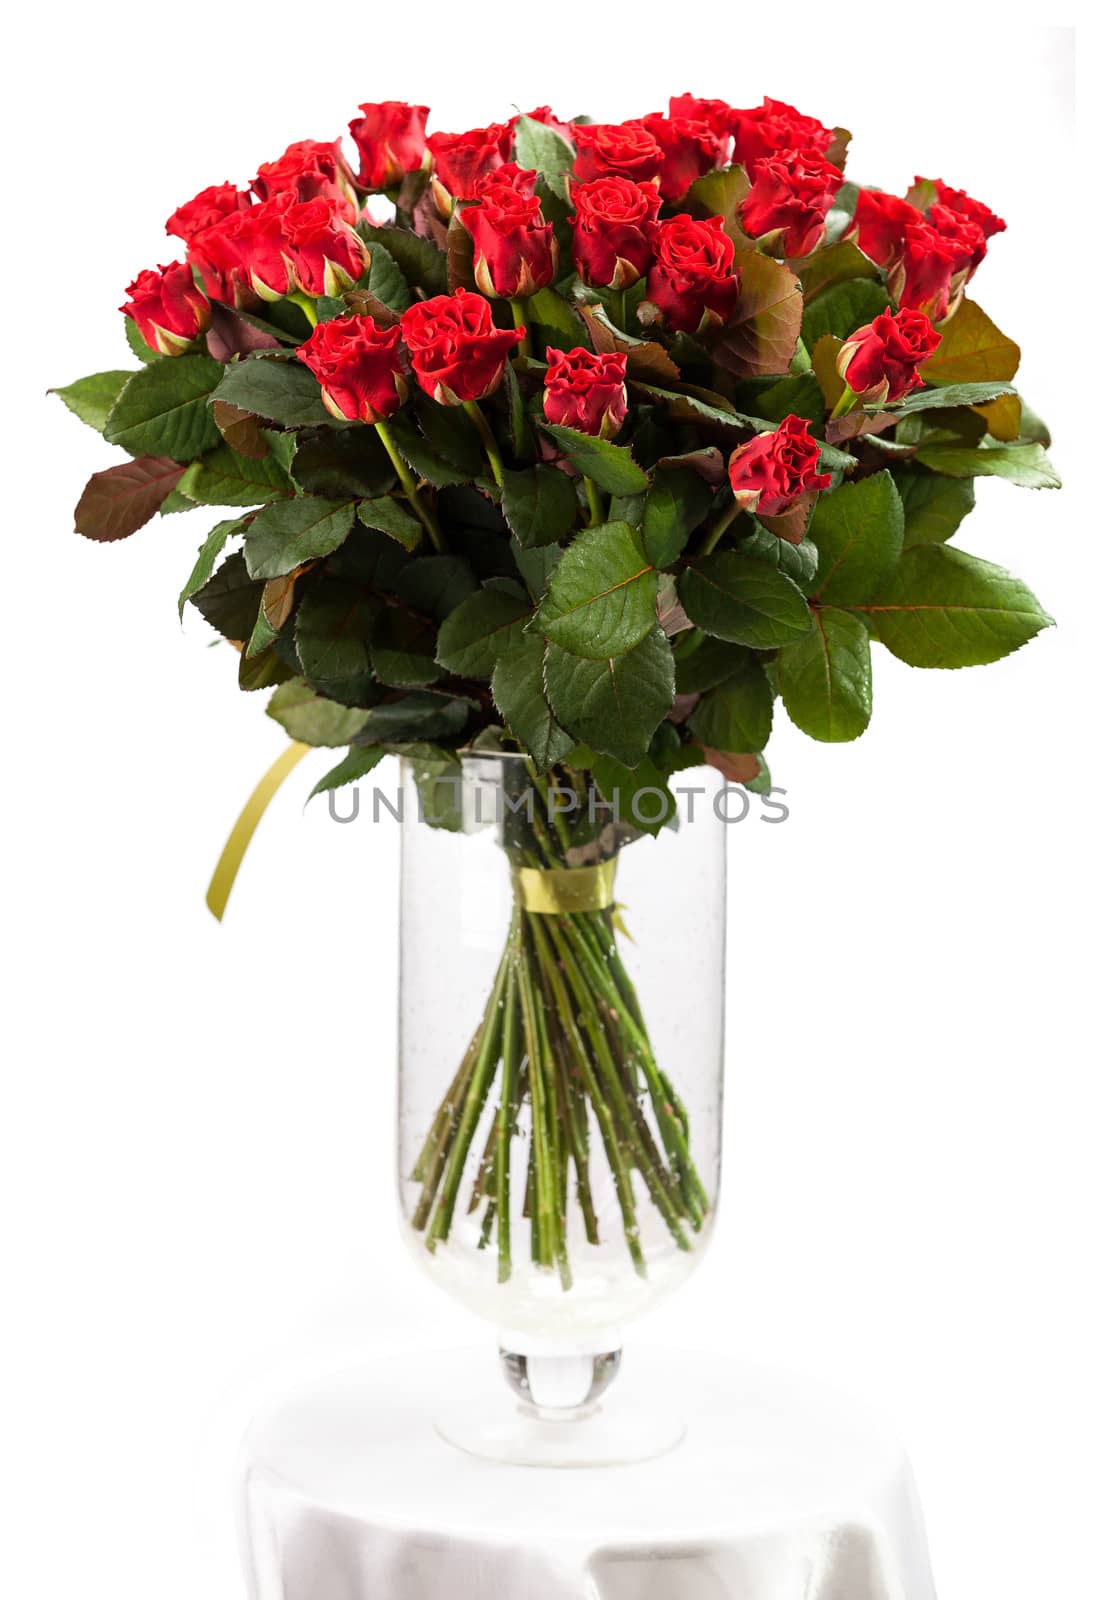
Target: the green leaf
pixel 343 464
pixel 118 501
pixel 92 398
pixel 943 608
pixel 451 435
pixel 612 467
pixel 520 698
pixel 677 502
pixel 645 783
pixel 423 714
pixel 310 718
pixel 738 597
pixel 225 478
pixel 834 264
pixel 1026 465
pixel 952 394
pixel 540 505
pixel 138 345
pixel 388 516
pixel 435 584
pixel 842 308
pixel 289 532
pixel 357 763
pixel 702 662
pixel 797 561
pixel 934 505
pixel 477 632
pixel 542 149
pixel 614 706
pixel 229 600
pixel 736 716
pixel 718 194
pixel 403 649
pixel 209 553
pixel 280 391
pixel 437 774
pixel 535 566
pixel 163 410
pixel 555 322
pixel 263 671
pixel 762 335
pixel 824 680
pixel 858 531
pixel 425 460
pixel 386 281
pixel 332 636
pixel 972 349
pixel 421 261
pixel 600 600
pixel 798 396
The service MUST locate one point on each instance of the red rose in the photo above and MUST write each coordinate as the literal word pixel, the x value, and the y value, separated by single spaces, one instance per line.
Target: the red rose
pixel 391 140
pixel 880 223
pixel 586 392
pixel 717 114
pixel 773 470
pixel 457 353
pixel 546 116
pixel 359 368
pixel 789 198
pixel 689 150
pixel 245 255
pixel 777 126
pixel 921 276
pixel 612 219
pixel 461 159
pixel 327 255
pixel 311 171
pixel 208 207
pixel 879 362
pixel 960 202
pixel 514 248
pixel 625 148
pixel 964 233
pixel 167 308
pixel 692 282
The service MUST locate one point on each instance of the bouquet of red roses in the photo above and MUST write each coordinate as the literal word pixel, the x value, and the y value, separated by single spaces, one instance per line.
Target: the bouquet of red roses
pixel 587 441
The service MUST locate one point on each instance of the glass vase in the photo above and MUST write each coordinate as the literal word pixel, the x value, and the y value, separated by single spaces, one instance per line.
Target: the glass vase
pixel 561 1039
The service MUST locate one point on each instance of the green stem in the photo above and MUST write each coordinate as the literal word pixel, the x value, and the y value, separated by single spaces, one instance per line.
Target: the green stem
pixel 306 305
pixel 844 404
pixel 408 484
pixel 720 528
pixel 596 511
pixel 543 1213
pixel 506 1116
pixel 477 417
pixel 520 320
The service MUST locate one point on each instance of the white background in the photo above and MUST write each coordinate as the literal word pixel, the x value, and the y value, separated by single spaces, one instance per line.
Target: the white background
pixel 197 1180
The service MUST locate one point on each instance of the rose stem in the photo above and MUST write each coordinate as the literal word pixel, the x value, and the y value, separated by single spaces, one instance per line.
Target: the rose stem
pixel 520 320
pixel 408 484
pixel 506 1116
pixel 544 1207
pixel 555 1127
pixel 844 404
pixel 571 1104
pixel 606 1119
pixel 306 305
pixel 596 511
pixel 484 1068
pixel 477 417
pixel 717 532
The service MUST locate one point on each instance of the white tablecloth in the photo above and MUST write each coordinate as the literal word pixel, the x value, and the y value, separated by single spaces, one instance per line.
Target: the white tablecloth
pixel 782 1490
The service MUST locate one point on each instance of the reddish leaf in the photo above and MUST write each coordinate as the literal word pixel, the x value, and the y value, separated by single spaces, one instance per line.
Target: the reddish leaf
pixel 117 502
pixel 647 360
pixel 792 524
pixel 762 336
pixel 241 429
pixel 736 768
pixel 229 335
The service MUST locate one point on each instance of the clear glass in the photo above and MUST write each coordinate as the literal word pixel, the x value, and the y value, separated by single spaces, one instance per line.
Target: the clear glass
pixel 620 1005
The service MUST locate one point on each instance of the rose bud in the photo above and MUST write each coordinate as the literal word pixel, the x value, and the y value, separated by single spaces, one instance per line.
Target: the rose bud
pixel 462 159
pixel 586 392
pixel 327 255
pixel 960 202
pixel 880 223
pixel 252 250
pixel 921 276
pixel 208 207
pixel 790 196
pixel 879 363
pixel 776 126
pixel 689 150
pixel 391 137
pixel 311 171
pixel 359 368
pixel 773 470
pixel 611 222
pixel 457 353
pixel 514 247
pixel 167 308
pixel 717 114
pixel 692 281
pixel 625 148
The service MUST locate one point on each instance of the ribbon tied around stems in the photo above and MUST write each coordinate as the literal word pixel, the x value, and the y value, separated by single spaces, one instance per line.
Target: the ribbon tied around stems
pixel 556 891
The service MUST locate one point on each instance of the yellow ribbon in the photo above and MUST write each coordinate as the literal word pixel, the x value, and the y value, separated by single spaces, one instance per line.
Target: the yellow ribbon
pixel 227 867
pixel 553 891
